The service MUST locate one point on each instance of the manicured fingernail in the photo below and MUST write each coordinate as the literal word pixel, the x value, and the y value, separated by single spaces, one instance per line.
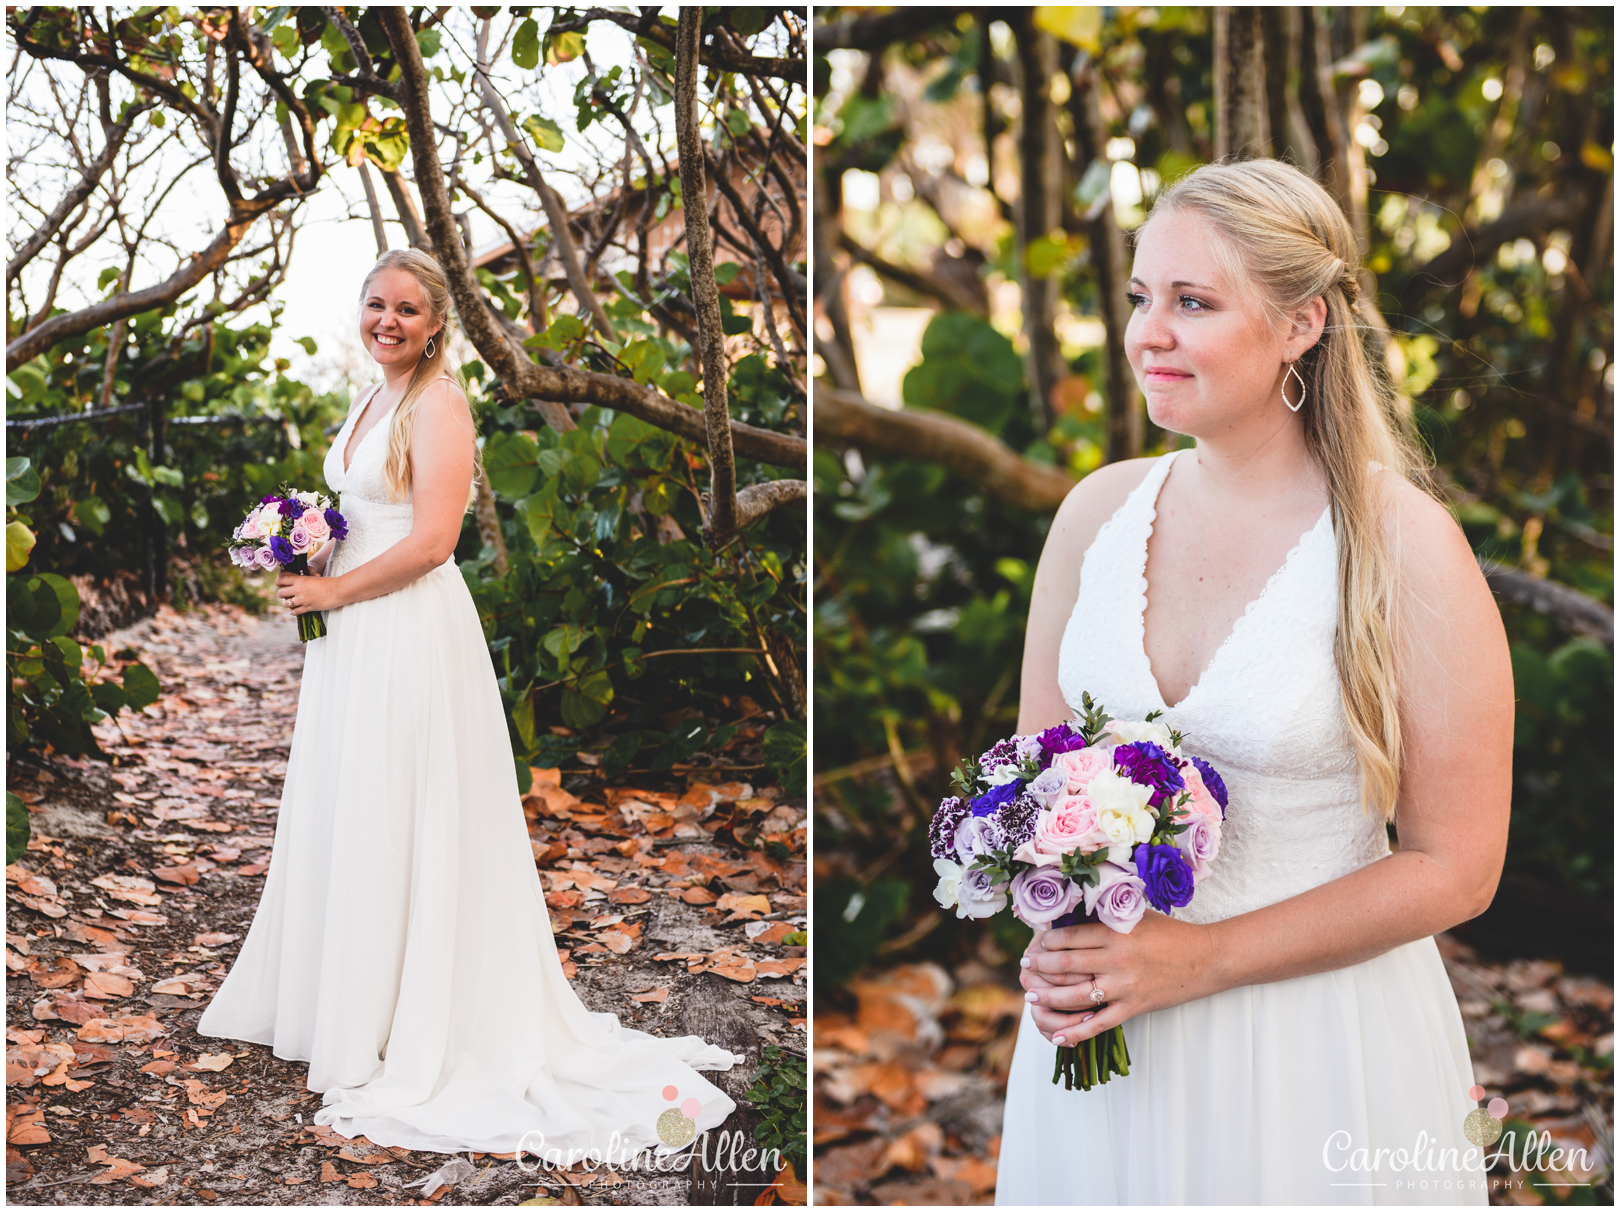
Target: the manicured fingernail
pixel 1032 996
pixel 1024 962
pixel 1086 1018
pixel 1057 1039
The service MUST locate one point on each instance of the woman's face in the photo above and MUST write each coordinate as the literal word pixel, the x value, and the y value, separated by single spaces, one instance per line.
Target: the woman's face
pixel 1206 357
pixel 395 322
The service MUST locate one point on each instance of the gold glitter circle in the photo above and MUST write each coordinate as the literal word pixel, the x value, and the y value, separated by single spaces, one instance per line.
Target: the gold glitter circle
pixel 1480 1127
pixel 675 1130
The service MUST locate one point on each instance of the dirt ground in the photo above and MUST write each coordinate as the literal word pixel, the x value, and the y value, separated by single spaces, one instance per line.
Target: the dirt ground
pixel 144 876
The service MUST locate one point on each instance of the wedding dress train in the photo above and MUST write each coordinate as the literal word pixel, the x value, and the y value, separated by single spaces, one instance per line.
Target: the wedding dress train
pixel 1281 1093
pixel 402 945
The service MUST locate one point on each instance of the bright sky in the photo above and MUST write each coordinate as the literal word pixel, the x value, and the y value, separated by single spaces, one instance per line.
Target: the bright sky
pixel 334 246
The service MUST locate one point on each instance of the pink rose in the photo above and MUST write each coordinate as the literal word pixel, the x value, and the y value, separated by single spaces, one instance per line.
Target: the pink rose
pixel 1069 824
pixel 315 523
pixel 1080 765
pixel 1202 803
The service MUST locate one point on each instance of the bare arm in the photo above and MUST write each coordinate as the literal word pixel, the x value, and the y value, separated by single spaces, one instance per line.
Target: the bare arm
pixel 1057 584
pixel 1451 815
pixel 1456 782
pixel 441 474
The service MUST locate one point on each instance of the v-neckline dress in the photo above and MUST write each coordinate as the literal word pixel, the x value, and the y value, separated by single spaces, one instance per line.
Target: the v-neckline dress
pixel 1260 1094
pixel 402 945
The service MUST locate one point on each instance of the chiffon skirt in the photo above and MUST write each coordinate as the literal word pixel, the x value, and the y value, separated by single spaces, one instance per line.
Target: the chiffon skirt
pixel 402 945
pixel 1281 1093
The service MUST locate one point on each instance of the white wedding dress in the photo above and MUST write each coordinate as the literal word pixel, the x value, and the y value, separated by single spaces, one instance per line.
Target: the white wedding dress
pixel 402 945
pixel 1261 1094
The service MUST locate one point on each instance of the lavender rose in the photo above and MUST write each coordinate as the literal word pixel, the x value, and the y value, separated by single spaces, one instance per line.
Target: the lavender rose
pixel 1048 785
pixel 1147 764
pixel 1164 870
pixel 264 558
pixel 987 803
pixel 1212 780
pixel 977 896
pixel 942 829
pixel 298 538
pixel 1200 841
pixel 1118 897
pixel 977 835
pixel 1043 893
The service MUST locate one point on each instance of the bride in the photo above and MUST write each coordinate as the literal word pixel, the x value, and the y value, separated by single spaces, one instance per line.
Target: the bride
pixel 1318 628
pixel 402 945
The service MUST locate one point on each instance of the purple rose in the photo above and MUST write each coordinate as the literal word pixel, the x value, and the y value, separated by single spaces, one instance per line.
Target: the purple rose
pixel 1017 820
pixel 977 835
pixel 1213 781
pixel 1060 738
pixel 942 829
pixel 282 550
pixel 334 519
pixel 1146 764
pixel 1043 893
pixel 1117 898
pixel 995 798
pixel 1164 870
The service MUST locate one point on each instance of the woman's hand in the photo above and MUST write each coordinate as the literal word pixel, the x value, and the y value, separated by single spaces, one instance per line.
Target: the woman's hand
pixel 301 594
pixel 1161 962
pixel 319 561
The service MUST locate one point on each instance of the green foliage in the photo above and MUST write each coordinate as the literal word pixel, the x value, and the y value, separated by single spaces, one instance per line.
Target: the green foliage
pixel 851 920
pixel 17 829
pixel 608 585
pixel 778 1093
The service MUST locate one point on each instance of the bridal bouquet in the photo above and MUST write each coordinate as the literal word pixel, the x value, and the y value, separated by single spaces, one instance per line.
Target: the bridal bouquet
pixel 279 532
pixel 1090 821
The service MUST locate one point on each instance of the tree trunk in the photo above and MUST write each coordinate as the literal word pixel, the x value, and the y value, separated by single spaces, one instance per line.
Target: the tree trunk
pixel 1039 210
pixel 1240 84
pixel 1321 119
pixel 1125 419
pixel 838 346
pixel 375 208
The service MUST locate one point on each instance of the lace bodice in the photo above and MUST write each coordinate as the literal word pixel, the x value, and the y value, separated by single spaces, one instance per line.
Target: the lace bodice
pixel 1266 712
pixel 376 521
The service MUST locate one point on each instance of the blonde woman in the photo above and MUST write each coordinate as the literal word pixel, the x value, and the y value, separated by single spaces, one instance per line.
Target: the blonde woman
pixel 402 945
pixel 1316 625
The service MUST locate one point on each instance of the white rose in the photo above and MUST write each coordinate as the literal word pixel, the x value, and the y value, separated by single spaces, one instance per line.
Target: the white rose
pixel 1125 826
pixel 950 882
pixel 1130 732
pixel 1111 789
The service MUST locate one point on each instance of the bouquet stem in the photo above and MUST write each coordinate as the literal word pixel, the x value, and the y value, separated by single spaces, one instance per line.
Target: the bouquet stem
pixel 312 623
pixel 1093 1061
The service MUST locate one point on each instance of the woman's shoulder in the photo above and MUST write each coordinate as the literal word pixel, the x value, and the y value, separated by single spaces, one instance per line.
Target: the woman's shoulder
pixel 1432 555
pixel 1098 497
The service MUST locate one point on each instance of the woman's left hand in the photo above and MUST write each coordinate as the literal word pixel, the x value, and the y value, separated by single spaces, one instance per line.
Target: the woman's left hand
pixel 1161 962
pixel 301 594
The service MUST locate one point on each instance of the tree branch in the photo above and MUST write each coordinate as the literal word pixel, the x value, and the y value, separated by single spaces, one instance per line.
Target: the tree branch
pixel 522 377
pixel 1568 607
pixel 1469 247
pixel 845 419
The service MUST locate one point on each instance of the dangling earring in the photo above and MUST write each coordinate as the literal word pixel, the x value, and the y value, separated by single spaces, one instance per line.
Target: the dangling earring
pixel 1296 374
pixel 427 350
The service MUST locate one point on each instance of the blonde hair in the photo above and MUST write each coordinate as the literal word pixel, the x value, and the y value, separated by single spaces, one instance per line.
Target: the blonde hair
pixel 436 290
pixel 1284 232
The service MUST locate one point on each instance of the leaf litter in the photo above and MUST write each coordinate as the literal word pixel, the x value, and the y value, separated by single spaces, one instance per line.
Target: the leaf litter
pixel 141 881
